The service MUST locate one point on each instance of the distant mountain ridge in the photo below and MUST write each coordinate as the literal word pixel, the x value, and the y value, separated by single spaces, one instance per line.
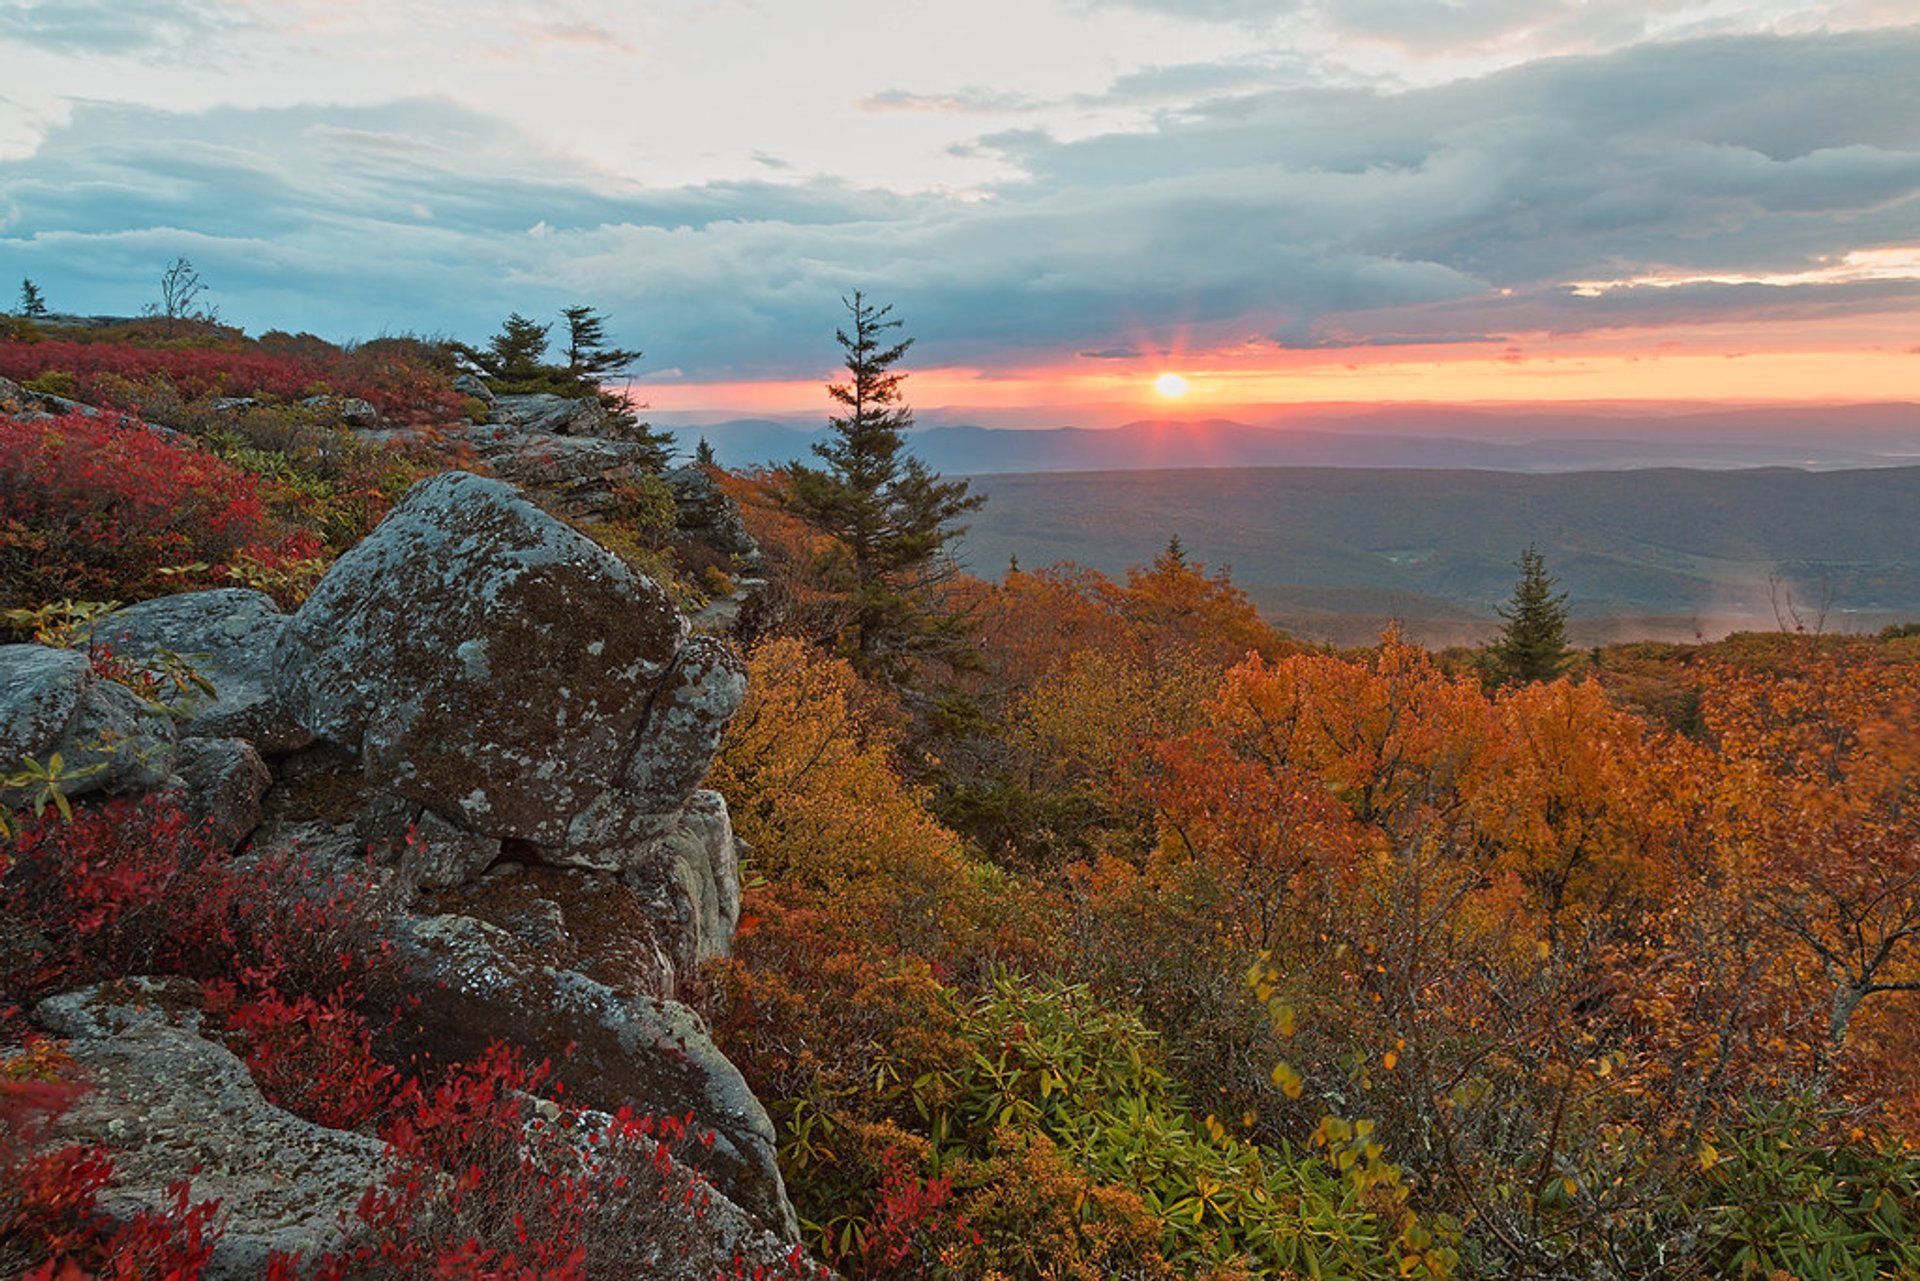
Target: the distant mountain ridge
pixel 1334 552
pixel 1853 436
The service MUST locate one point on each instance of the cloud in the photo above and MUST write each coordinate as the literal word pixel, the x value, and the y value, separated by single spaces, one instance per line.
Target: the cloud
pixel 1111 353
pixel 1321 215
pixel 159 29
pixel 961 102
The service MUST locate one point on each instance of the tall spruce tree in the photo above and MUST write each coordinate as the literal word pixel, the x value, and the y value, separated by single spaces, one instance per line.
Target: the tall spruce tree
pixel 890 516
pixel 33 303
pixel 1533 643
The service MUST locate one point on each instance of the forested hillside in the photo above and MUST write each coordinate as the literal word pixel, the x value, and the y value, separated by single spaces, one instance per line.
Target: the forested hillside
pixel 1337 551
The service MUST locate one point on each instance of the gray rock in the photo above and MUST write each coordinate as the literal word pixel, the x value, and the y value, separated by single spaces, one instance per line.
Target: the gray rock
pixel 167 1102
pixel 697 864
pixel 39 693
pixel 683 727
pixel 107 738
pixel 579 475
pixel 230 632
pixel 351 410
pixel 442 855
pixel 545 413
pixel 473 385
pixel 473 983
pixel 481 657
pixel 703 512
pixel 224 779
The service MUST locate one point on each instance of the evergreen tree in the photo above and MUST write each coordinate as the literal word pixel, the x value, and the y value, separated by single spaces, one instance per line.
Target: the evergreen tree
pixel 589 355
pixel 891 516
pixel 1533 643
pixel 703 454
pixel 591 360
pixel 517 353
pixel 32 302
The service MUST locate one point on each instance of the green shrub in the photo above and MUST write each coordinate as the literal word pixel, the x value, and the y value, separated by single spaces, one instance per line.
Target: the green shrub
pixel 55 382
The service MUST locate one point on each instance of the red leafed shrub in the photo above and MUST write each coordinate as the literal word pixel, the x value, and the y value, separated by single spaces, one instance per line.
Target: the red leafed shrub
pixel 91 896
pixel 93 509
pixel 313 1057
pixel 912 1215
pixel 111 372
pixel 485 1180
pixel 51 1227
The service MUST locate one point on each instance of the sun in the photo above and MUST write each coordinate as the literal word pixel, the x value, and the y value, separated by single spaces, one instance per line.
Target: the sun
pixel 1172 386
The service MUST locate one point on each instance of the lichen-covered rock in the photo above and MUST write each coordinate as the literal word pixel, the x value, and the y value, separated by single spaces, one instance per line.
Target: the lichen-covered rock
pixel 482 658
pixel 228 635
pixel 351 410
pixel 107 738
pixel 698 863
pixel 703 512
pixel 474 983
pixel 473 385
pixel 439 854
pixel 166 1102
pixel 546 413
pixel 39 693
pixel 581 476
pixel 683 727
pixel 224 779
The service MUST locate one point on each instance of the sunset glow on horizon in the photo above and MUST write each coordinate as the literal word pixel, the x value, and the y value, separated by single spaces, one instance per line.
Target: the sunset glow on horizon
pixel 1276 201
pixel 1573 374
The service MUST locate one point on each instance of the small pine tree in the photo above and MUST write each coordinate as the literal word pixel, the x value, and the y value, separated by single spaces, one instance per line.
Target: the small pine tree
pixel 33 303
pixel 591 361
pixel 589 356
pixel 891 514
pixel 517 353
pixel 1533 643
pixel 703 454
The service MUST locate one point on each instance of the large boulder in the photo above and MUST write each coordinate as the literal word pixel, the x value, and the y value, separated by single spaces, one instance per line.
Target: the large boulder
pixel 228 635
pixel 483 659
pixel 474 983
pixel 107 738
pixel 166 1101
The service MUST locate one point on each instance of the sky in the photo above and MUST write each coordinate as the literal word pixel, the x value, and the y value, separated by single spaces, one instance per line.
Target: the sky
pixel 1282 201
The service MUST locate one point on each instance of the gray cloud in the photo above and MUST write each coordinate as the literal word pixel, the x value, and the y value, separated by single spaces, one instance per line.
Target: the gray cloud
pixel 159 29
pixel 1321 217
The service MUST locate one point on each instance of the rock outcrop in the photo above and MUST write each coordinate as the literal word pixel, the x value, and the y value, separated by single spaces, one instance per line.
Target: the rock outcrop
pixel 166 1101
pixel 107 738
pixel 515 725
pixel 704 513
pixel 496 666
pixel 474 983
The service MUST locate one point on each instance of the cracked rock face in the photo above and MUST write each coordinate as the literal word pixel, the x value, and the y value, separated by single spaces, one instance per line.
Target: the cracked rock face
pixel 482 658
pixel 228 635
pixel 166 1101
pixel 51 704
pixel 474 983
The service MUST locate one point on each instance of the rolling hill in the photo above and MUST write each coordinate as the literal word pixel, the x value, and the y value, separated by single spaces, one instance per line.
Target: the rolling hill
pixel 1333 553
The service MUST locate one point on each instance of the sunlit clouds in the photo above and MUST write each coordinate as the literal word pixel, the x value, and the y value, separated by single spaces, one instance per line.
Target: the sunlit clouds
pixel 1064 199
